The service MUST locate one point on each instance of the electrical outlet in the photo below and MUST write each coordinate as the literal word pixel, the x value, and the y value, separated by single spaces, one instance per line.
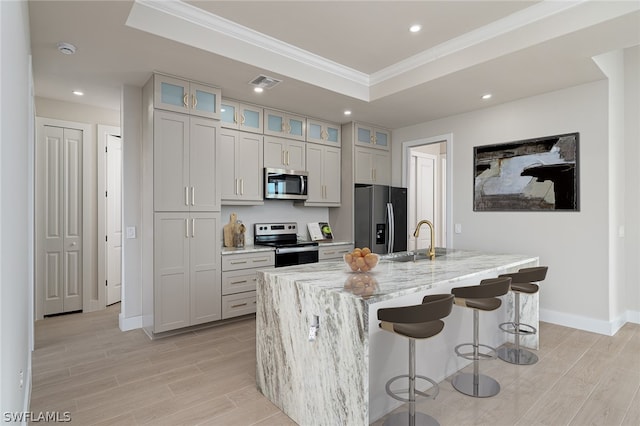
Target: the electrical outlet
pixel 457 228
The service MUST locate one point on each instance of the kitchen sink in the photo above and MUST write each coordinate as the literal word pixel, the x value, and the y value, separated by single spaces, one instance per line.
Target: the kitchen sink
pixel 411 256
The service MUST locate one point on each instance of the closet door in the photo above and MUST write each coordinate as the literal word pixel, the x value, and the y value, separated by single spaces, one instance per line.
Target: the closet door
pixel 59 198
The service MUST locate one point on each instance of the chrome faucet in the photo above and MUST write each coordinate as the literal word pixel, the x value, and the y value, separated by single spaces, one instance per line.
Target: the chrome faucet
pixel 432 250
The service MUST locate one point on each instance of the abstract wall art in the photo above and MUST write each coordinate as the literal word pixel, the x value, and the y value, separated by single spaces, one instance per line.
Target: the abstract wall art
pixel 538 174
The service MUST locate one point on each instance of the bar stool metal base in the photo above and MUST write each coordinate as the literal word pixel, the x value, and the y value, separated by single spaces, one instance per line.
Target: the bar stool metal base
pixel 517 356
pixel 479 386
pixel 402 419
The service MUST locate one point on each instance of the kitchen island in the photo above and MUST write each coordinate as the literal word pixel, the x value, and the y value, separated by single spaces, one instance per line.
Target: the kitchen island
pixel 321 357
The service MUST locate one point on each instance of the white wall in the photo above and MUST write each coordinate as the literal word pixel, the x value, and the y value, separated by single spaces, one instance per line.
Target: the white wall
pixel 131 131
pixel 16 126
pixel 573 244
pixel 632 175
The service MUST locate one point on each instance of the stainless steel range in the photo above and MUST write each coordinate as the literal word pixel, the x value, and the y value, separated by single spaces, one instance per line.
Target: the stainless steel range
pixel 284 237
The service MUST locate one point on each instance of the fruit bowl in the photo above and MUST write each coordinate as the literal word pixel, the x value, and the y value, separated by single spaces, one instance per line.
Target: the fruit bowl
pixel 361 260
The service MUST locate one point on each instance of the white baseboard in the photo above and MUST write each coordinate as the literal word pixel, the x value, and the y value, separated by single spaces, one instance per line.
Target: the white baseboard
pixel 127 324
pixel 608 328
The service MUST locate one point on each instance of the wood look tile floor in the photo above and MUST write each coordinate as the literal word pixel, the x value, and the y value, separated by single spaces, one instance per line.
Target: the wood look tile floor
pixel 83 364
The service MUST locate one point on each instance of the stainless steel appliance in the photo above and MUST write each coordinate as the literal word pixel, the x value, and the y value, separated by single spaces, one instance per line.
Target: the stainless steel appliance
pixel 284 237
pixel 381 218
pixel 285 184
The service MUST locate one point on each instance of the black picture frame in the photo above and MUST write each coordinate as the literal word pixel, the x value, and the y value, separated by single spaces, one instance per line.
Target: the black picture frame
pixel 540 174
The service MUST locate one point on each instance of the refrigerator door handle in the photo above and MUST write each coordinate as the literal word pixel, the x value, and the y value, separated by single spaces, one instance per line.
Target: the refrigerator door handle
pixel 391 228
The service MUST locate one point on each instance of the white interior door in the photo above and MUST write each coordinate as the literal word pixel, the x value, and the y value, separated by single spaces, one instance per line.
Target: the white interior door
pixel 113 241
pixel 423 177
pixel 59 213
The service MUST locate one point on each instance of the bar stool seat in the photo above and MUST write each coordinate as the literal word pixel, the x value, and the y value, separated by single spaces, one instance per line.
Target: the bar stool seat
pixel 415 322
pixel 483 297
pixel 521 282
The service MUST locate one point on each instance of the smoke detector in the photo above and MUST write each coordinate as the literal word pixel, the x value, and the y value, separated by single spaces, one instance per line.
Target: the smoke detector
pixel 66 48
pixel 265 82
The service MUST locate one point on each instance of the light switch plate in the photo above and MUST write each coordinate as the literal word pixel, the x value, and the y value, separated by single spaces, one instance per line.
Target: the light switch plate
pixel 131 231
pixel 458 228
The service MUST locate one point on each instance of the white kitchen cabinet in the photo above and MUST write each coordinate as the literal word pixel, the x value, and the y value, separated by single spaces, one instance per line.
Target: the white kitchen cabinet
pixel 323 166
pixel 179 95
pixel 282 153
pixel 333 251
pixel 185 154
pixel 239 278
pixel 372 137
pixel 283 124
pixel 323 132
pixel 373 166
pixel 186 270
pixel 241 165
pixel 240 116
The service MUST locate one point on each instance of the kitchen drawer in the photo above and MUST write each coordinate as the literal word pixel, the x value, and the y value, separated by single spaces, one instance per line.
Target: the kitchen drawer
pixel 334 252
pixel 239 281
pixel 233 262
pixel 235 305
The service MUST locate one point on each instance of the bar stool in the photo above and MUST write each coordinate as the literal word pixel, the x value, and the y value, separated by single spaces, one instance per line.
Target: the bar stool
pixel 521 282
pixel 483 297
pixel 415 322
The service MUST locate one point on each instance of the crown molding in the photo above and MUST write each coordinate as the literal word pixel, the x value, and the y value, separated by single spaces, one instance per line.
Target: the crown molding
pixel 212 22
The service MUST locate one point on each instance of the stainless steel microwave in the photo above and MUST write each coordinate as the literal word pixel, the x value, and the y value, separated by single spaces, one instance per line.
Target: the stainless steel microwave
pixel 283 184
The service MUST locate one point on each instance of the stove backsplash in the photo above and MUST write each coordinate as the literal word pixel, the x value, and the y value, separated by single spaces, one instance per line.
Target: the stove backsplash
pixel 276 211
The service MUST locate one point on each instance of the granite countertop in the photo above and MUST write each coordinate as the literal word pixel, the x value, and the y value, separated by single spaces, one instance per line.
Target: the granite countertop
pixel 245 250
pixel 333 243
pixel 393 279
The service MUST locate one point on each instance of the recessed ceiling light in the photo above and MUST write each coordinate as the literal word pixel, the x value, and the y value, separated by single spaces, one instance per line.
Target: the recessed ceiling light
pixel 258 89
pixel 78 92
pixel 487 96
pixel 66 48
pixel 347 112
pixel 415 28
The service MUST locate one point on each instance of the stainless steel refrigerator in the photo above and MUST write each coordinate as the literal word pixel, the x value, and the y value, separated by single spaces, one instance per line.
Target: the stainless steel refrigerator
pixel 381 218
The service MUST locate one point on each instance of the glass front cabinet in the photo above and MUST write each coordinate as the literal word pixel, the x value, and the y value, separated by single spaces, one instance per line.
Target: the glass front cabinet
pixel 178 95
pixel 372 137
pixel 323 132
pixel 283 124
pixel 236 115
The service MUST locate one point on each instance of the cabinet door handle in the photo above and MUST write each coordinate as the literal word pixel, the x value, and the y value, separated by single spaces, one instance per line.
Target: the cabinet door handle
pixel 288 157
pixel 241 186
pixel 235 117
pixel 193 228
pixel 195 101
pixel 242 119
pixel 186 195
pixel 185 100
pixel 193 195
pixel 186 228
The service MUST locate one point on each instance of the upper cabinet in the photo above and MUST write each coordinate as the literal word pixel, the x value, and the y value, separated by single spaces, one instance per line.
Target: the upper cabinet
pixel 284 154
pixel 372 137
pixel 322 132
pixel 372 166
pixel 241 167
pixel 323 166
pixel 178 95
pixel 283 124
pixel 236 115
pixel 185 151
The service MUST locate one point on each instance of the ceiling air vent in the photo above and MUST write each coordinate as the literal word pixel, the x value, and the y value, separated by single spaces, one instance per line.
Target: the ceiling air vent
pixel 265 82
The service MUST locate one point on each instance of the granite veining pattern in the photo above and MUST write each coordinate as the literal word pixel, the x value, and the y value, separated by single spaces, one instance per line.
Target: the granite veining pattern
pixel 327 380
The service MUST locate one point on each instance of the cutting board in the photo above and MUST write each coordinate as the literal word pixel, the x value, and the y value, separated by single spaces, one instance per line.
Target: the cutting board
pixel 228 230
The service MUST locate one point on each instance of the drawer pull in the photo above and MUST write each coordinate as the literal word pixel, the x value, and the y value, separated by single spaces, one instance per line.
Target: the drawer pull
pixel 329 252
pixel 240 305
pixel 260 260
pixel 238 282
pixel 238 262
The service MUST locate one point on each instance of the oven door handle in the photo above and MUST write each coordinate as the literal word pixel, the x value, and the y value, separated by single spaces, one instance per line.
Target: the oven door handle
pixel 285 250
